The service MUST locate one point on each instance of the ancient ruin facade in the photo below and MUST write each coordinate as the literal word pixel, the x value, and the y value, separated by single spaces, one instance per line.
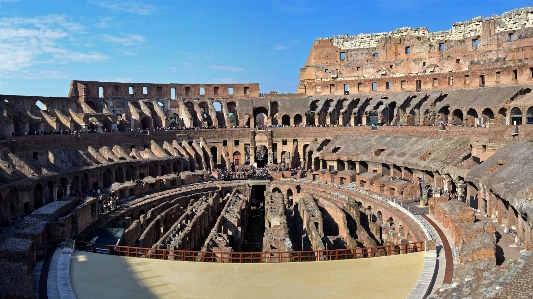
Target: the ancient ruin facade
pixel 481 52
pixel 182 160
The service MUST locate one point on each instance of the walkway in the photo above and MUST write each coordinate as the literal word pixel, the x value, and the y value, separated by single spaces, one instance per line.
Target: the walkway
pixel 96 275
pixel 448 271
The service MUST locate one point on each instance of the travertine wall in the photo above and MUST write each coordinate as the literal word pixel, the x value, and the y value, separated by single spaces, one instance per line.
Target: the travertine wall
pixel 497 48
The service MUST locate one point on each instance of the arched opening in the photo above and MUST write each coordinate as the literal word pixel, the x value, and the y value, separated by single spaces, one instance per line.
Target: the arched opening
pixel 340 165
pixel 119 175
pixel 471 117
pixel 316 163
pixel 289 198
pixel 487 115
pixel 385 169
pixel 529 115
pixel 502 114
pixel 49 192
pixel 276 190
pixel 62 192
pixel 13 212
pixel 407 173
pixel 85 182
pixel 177 167
pixel 108 124
pixel 152 170
pixel 310 118
pixel 165 168
pixel 260 116
pixel 516 116
pixel 92 126
pixel 237 158
pixel 297 120
pixel 457 117
pixel 285 120
pixel 146 123
pixel 130 173
pixel 214 153
pixel 107 178
pixel 38 196
pixel 75 185
pixel 444 113
pixel 141 212
pixel 206 121
pixel 363 167
pixel 261 156
pixel 91 105
pixel 233 116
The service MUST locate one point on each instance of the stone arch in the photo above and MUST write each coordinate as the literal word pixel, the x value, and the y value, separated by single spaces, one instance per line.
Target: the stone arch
pixel 487 115
pixel 289 198
pixel 516 116
pixel 286 120
pixel 316 163
pixel 152 170
pixel 237 159
pixel 214 153
pixel 260 116
pixel 146 123
pixel 363 167
pixel 63 186
pixel 75 184
pixel 130 173
pixel 471 116
pixel 444 113
pixel 407 173
pixel 502 114
pixel 85 182
pixel 108 124
pixel 297 119
pixel 276 190
pixel 38 196
pixel 119 175
pixel 107 178
pixel 457 117
pixel 177 167
pixel 49 192
pixel 529 115
pixel 340 165
pixel 166 168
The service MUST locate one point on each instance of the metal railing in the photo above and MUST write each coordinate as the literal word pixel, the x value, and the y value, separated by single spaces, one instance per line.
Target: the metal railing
pixel 253 257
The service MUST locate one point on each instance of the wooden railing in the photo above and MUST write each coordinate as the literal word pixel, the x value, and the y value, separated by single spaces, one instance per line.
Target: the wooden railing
pixel 253 257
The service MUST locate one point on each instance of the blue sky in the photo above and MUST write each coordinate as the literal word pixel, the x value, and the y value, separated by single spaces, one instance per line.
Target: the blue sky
pixel 46 43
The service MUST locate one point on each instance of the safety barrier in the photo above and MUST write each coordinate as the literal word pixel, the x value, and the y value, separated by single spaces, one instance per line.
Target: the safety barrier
pixel 253 257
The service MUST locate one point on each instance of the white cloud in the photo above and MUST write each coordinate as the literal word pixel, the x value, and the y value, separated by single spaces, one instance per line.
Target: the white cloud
pixel 27 42
pixel 135 7
pixel 125 39
pixel 225 68
pixel 279 47
pixel 104 22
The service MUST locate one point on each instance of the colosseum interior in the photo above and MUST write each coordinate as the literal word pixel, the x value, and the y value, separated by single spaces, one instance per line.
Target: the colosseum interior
pixel 395 144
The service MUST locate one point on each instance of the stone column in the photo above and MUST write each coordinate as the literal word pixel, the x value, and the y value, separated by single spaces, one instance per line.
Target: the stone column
pixel 68 190
pixel 252 148
pixel 54 194
pixel 461 192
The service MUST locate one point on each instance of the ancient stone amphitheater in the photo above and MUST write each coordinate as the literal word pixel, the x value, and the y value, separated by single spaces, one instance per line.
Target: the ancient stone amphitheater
pixel 404 143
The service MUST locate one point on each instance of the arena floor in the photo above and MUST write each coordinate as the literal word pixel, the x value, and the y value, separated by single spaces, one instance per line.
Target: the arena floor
pixel 96 275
